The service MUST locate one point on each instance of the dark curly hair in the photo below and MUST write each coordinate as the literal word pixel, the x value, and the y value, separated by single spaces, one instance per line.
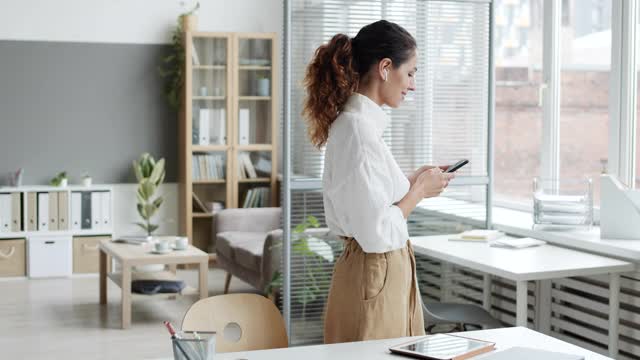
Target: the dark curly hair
pixel 334 72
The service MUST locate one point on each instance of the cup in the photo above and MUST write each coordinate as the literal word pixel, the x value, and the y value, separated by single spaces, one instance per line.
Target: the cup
pixel 203 91
pixel 181 243
pixel 161 246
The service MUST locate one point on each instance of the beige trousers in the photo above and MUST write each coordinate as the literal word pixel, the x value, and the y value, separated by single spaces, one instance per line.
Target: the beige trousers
pixel 373 296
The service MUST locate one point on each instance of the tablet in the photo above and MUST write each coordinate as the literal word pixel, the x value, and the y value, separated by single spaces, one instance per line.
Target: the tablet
pixel 443 347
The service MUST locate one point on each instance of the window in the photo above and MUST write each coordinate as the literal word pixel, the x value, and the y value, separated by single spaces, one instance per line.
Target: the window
pixel 518 112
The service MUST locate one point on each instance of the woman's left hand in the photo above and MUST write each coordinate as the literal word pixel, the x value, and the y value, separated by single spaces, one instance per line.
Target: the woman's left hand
pixel 412 178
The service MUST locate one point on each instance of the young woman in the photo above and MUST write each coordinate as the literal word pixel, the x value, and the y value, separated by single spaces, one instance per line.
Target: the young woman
pixel 367 198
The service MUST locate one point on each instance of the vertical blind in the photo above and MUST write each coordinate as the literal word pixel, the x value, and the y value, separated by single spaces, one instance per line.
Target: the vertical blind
pixel 444 120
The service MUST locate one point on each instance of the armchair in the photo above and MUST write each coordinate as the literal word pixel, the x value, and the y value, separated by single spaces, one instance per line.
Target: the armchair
pixel 243 244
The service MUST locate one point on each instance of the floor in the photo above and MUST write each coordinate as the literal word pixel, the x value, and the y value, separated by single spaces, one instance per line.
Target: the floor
pixel 61 319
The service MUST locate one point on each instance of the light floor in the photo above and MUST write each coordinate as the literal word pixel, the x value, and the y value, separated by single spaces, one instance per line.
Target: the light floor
pixel 62 319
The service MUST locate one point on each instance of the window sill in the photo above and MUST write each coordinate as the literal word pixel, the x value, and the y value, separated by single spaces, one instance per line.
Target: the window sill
pixel 520 223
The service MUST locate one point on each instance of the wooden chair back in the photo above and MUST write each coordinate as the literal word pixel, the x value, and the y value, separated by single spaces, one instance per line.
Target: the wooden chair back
pixel 261 324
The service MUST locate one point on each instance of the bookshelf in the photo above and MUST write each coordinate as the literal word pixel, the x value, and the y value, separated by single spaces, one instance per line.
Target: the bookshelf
pixel 228 128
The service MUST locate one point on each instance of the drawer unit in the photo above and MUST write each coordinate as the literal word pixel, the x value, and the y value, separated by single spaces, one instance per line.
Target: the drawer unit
pixel 86 253
pixel 12 258
pixel 49 256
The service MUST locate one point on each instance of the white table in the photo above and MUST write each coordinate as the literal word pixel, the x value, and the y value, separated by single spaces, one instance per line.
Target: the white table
pixel 541 263
pixel 379 349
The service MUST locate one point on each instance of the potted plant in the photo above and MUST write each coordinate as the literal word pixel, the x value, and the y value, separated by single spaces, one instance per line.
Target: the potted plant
pixel 86 179
pixel 59 180
pixel 317 256
pixel 150 175
pixel 172 67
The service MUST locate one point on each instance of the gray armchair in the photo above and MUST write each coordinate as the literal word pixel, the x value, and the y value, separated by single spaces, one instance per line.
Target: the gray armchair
pixel 243 244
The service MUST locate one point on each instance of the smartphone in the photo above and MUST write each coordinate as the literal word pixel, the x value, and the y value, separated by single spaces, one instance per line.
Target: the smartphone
pixel 457 165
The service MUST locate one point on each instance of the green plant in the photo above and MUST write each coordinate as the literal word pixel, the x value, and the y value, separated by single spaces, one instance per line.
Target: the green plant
pixel 172 67
pixel 150 175
pixel 57 180
pixel 313 253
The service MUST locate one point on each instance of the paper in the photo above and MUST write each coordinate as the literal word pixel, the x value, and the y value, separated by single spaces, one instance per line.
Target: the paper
pixel 515 243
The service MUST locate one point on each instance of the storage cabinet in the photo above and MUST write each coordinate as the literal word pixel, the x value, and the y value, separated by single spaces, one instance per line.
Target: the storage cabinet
pixel 228 127
pixel 49 256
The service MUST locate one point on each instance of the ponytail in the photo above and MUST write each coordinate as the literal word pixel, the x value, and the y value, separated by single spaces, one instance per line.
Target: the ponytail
pixel 330 80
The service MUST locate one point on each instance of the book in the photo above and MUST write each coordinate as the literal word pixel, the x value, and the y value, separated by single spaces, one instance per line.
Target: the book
pixel 516 243
pixel 198 205
pixel 479 235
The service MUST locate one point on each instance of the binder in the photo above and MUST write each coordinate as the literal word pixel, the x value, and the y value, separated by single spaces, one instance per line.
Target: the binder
pixel 203 133
pixel 63 210
pixel 96 211
pixel 32 211
pixel 243 127
pixel 43 211
pixel 5 213
pixel 53 211
pixel 86 210
pixel 16 212
pixel 218 135
pixel 76 211
pixel 106 210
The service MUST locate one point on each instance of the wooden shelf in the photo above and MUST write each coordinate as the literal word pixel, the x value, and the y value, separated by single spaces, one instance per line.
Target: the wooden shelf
pixel 256 98
pixel 255 180
pixel 202 215
pixel 209 97
pixel 200 148
pixel 214 181
pixel 255 147
pixel 116 277
pixel 209 67
pixel 254 67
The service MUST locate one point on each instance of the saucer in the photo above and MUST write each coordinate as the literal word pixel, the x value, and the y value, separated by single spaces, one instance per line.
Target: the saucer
pixel 178 249
pixel 154 251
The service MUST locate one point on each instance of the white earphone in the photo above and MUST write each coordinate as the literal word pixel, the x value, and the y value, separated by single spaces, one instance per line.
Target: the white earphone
pixel 386 73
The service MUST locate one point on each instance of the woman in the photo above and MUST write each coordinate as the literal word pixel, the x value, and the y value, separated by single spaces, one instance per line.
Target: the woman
pixel 367 198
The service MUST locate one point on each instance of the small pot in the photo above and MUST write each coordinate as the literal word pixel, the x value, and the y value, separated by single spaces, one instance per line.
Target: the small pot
pixel 86 181
pixel 64 182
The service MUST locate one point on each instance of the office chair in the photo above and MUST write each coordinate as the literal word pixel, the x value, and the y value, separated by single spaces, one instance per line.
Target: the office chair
pixel 459 314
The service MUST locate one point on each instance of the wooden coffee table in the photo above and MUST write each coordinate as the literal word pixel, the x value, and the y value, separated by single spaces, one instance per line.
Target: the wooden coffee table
pixel 129 255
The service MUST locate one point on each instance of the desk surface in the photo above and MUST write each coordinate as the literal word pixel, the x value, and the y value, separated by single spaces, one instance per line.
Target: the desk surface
pixel 535 263
pixel 372 350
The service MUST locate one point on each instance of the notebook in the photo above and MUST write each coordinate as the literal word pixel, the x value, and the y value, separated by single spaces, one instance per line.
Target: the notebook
pixel 524 353
pixel 479 235
pixel 515 243
pixel 443 347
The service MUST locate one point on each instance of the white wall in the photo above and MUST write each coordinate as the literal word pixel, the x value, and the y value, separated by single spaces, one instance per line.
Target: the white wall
pixel 130 21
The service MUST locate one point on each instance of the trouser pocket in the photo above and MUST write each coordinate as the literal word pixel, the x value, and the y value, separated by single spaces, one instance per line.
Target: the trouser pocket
pixel 375 272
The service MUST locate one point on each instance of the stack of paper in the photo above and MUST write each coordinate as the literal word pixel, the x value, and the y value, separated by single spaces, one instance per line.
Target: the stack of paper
pixel 477 235
pixel 515 243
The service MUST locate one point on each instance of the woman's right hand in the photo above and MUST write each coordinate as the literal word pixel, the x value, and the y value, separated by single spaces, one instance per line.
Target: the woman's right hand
pixel 432 182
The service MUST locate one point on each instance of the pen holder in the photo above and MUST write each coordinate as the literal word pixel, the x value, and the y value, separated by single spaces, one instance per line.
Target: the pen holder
pixel 566 202
pixel 192 345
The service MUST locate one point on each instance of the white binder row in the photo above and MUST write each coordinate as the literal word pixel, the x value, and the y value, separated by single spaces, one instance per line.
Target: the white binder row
pixel 10 217
pixel 90 210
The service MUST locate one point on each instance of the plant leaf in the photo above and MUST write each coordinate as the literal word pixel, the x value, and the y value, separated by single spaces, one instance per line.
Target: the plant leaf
pixel 158 170
pixel 137 171
pixel 157 202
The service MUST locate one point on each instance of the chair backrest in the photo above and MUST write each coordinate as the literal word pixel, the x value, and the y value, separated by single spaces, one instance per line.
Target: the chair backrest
pixel 261 324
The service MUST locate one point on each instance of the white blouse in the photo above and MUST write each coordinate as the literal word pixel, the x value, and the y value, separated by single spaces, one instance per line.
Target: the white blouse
pixel 362 181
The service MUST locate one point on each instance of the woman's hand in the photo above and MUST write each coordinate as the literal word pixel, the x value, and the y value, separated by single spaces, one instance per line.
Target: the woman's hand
pixel 412 178
pixel 432 182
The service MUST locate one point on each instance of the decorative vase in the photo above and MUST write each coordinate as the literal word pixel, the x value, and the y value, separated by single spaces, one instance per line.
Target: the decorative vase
pixel 86 181
pixel 263 87
pixel 189 22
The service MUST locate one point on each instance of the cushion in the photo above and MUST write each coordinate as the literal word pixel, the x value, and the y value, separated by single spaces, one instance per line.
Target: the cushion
pixel 245 248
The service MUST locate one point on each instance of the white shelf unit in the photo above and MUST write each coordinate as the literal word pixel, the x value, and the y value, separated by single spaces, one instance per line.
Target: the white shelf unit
pixel 26 265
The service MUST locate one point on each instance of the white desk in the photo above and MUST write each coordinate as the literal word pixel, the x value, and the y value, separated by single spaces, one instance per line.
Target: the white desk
pixel 541 263
pixel 379 349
